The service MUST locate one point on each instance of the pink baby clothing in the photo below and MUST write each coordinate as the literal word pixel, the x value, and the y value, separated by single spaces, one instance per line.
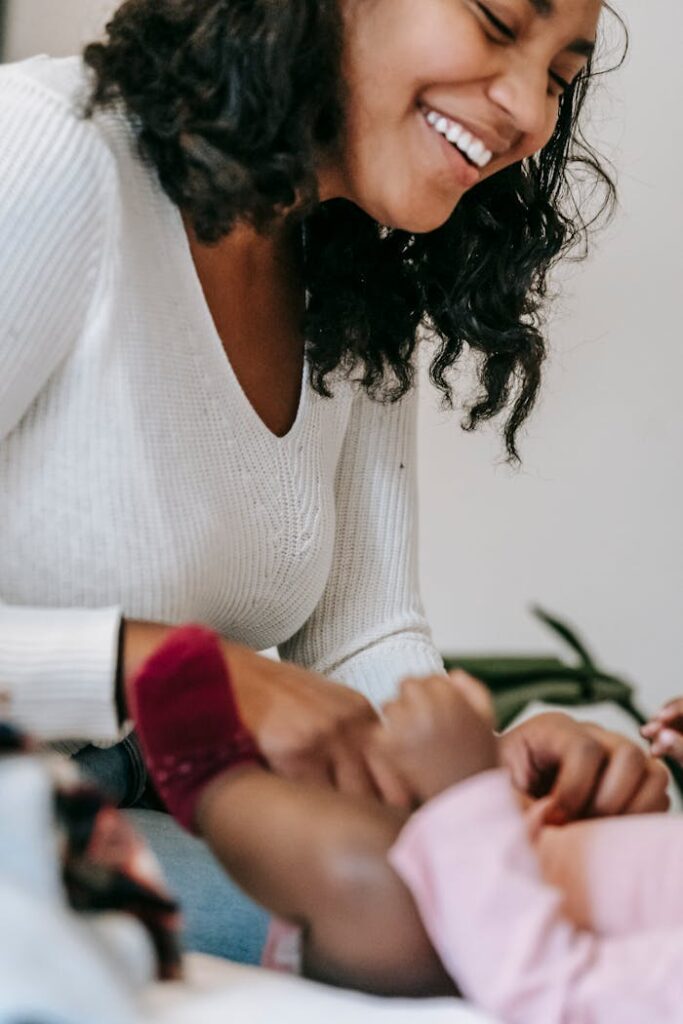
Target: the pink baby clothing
pixel 497 908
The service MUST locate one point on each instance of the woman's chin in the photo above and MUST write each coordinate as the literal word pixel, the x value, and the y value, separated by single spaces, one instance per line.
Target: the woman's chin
pixel 423 225
pixel 416 210
pixel 417 219
pixel 426 225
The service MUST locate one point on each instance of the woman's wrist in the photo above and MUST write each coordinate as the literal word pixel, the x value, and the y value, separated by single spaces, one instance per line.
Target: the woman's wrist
pixel 137 641
pixel 254 678
pixel 187 719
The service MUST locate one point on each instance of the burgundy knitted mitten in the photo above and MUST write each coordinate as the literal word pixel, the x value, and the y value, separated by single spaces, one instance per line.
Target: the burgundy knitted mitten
pixel 187 719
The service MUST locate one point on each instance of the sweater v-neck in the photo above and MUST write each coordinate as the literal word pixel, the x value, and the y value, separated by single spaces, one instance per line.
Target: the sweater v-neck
pixel 224 375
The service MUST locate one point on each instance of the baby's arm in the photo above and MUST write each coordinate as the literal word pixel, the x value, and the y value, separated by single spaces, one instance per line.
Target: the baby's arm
pixel 319 860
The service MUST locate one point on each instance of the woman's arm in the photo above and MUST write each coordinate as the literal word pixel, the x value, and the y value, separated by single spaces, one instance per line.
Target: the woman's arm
pixel 307 727
pixel 369 629
pixel 58 666
pixel 56 188
pixel 56 212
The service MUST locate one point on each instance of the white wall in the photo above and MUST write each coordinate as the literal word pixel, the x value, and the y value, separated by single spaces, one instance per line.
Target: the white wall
pixel 57 27
pixel 590 527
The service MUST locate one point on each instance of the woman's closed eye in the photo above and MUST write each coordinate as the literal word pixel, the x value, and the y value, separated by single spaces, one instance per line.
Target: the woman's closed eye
pixel 508 34
pixel 561 82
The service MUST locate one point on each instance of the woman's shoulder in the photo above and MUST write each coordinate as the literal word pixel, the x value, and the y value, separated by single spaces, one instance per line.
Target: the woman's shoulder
pixel 58 89
pixel 46 135
pixel 46 85
pixel 62 78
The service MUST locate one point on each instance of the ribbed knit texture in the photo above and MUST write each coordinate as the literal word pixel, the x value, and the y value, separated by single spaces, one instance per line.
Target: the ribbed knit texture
pixel 134 474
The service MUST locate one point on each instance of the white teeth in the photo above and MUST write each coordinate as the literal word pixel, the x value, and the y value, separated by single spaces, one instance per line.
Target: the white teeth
pixel 458 136
pixel 476 150
pixel 454 133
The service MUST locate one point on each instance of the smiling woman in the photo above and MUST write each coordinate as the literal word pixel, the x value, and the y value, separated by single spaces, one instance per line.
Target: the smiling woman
pixel 306 116
pixel 222 232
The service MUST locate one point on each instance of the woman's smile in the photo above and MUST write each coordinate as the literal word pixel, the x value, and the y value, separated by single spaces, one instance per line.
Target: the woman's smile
pixel 468 142
pixel 485 81
pixel 465 175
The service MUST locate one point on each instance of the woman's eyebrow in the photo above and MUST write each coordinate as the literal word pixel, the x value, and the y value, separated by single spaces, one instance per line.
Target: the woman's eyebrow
pixel 582 47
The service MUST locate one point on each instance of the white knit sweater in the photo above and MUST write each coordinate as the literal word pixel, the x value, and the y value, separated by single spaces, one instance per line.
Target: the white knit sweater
pixel 135 476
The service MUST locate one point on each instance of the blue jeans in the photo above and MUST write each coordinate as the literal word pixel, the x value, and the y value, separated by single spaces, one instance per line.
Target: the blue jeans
pixel 218 917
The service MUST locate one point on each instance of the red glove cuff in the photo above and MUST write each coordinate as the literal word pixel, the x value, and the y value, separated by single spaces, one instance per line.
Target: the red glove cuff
pixel 187 719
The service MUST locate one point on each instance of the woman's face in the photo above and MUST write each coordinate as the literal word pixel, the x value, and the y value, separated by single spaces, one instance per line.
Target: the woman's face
pixel 486 74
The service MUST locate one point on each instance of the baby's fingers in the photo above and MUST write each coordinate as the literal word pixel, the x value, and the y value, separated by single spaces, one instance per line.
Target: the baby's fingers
pixel 668 719
pixel 668 743
pixel 672 714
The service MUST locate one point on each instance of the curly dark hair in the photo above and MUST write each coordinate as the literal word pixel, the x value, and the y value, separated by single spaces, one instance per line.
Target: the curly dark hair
pixel 231 101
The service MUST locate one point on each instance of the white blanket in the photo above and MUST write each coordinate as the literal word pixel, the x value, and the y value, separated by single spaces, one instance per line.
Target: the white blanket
pixel 217 992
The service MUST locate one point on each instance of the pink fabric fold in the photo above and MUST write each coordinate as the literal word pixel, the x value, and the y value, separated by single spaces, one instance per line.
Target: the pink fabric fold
pixel 503 931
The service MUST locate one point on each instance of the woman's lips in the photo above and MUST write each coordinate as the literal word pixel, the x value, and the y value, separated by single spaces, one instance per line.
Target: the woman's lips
pixel 464 173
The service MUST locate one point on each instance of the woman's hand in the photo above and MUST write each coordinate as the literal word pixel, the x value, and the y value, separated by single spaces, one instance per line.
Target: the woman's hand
pixel 586 770
pixel 306 727
pixel 438 732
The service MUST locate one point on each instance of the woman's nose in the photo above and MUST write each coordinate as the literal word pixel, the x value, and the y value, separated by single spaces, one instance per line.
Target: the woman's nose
pixel 522 92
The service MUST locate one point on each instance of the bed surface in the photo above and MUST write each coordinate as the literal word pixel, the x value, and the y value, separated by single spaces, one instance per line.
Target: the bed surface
pixel 218 992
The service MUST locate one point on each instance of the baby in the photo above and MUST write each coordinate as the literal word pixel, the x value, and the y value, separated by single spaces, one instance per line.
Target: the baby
pixel 536 925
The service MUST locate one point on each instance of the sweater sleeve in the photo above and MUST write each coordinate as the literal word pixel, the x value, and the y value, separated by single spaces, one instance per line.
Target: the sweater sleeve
pixel 369 630
pixel 498 928
pixel 56 666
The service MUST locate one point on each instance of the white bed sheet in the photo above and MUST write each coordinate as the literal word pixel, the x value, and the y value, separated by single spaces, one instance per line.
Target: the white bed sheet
pixel 218 992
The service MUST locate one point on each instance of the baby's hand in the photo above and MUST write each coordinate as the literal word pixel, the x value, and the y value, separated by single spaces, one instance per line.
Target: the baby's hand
pixel 665 731
pixel 439 731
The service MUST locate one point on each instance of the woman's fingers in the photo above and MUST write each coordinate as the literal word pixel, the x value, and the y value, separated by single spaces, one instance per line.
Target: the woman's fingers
pixel 632 782
pixel 652 795
pixel 622 779
pixel 579 770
